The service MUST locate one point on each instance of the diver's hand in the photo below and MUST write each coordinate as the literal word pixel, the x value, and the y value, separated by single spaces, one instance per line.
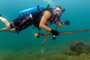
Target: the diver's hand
pixel 54 32
pixel 67 22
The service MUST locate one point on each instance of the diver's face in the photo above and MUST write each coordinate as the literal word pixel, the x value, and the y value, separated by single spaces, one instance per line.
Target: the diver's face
pixel 58 11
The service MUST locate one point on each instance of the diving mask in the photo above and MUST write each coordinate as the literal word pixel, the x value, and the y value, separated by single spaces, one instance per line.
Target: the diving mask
pixel 58 12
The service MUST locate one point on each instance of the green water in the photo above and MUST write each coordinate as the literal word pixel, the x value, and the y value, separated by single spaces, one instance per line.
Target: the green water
pixel 25 46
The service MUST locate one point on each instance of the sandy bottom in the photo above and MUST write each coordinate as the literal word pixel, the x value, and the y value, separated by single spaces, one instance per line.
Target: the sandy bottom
pixel 50 53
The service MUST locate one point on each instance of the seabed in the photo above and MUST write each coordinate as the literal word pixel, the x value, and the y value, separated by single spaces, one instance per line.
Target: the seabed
pixel 61 53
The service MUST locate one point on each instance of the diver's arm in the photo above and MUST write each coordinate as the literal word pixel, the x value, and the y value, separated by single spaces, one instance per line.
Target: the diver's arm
pixel 43 21
pixel 60 24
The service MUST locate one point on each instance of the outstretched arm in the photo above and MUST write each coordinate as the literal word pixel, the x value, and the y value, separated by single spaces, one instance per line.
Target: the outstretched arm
pixel 60 24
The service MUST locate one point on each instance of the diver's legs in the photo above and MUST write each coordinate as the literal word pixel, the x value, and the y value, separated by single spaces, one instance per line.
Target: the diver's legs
pixel 8 30
pixel 5 22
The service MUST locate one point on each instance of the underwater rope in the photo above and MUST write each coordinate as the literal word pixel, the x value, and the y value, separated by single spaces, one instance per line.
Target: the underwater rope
pixel 67 32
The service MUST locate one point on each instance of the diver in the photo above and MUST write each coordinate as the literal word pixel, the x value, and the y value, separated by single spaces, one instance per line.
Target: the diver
pixel 39 19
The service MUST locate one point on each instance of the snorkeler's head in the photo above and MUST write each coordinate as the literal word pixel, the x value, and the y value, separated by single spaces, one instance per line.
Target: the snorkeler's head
pixel 59 7
pixel 58 10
